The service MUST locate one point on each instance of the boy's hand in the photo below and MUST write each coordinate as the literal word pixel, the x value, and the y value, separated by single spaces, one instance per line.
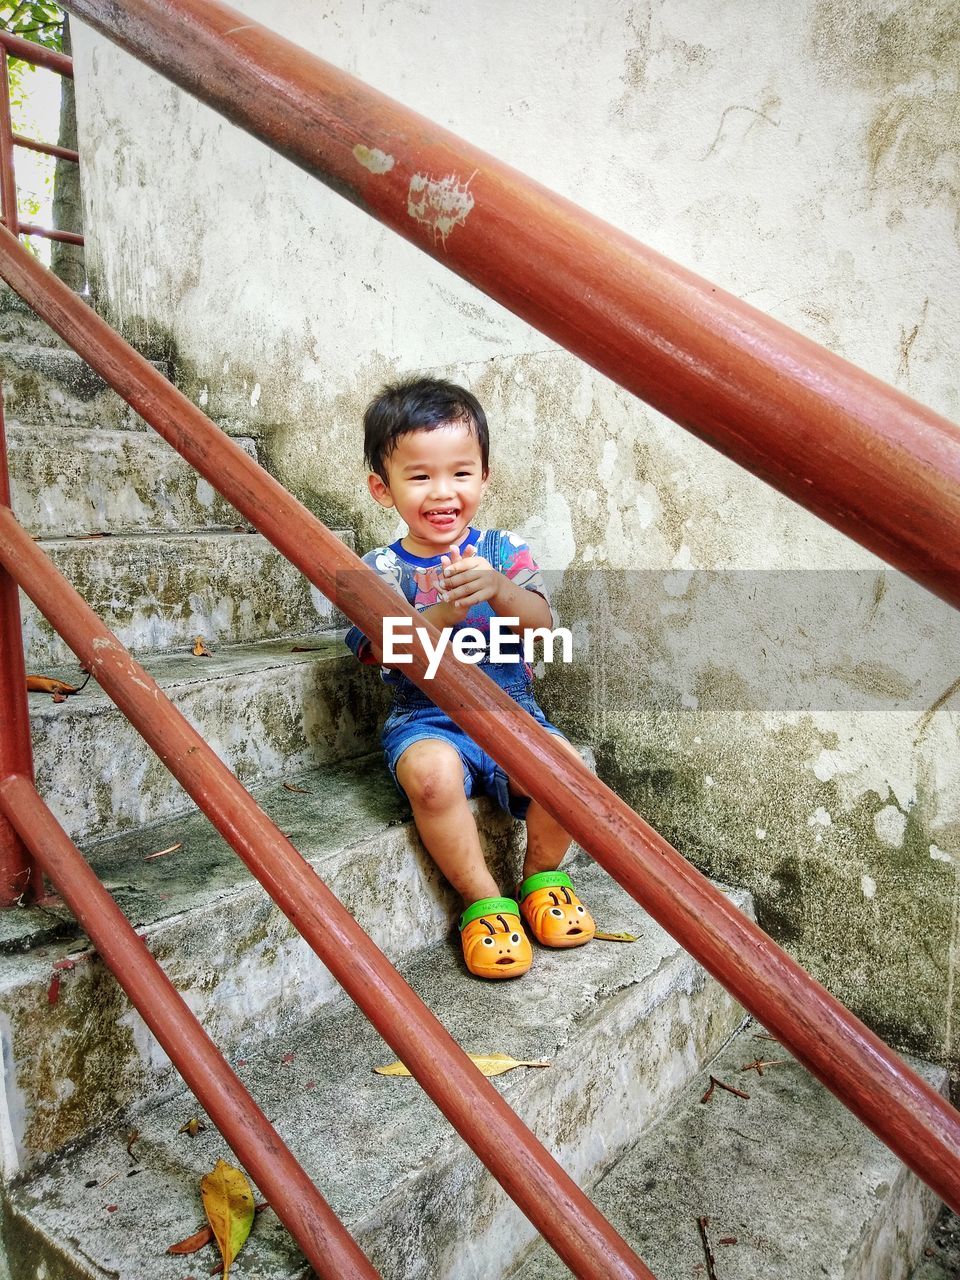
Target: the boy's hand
pixel 468 579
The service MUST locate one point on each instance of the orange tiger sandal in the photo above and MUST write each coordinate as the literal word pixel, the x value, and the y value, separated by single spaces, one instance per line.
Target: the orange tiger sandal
pixel 494 944
pixel 556 916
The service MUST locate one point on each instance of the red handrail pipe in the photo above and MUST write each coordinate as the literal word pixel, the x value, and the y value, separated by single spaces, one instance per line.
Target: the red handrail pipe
pixel 37 54
pixel 20 880
pixel 874 463
pixel 8 181
pixel 890 1098
pixel 46 148
pixel 552 1201
pixel 298 1204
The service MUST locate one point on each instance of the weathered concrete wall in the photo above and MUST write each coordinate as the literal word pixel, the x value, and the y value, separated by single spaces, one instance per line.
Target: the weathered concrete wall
pixel 792 731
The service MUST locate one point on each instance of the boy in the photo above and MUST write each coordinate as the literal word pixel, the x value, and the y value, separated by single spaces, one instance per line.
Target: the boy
pixel 427 446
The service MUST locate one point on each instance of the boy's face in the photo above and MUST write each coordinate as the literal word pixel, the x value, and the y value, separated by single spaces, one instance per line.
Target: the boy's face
pixel 435 480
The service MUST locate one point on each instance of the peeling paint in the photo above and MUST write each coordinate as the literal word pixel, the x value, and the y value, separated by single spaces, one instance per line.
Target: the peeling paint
pixel 440 203
pixel 826 765
pixel 373 158
pixel 890 825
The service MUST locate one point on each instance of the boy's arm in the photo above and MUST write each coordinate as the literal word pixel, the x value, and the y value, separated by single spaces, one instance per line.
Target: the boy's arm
pixel 368 650
pixel 473 579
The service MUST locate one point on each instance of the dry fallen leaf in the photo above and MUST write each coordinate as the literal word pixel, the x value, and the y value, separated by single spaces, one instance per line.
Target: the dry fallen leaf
pixel 193 1243
pixel 162 852
pixel 489 1064
pixel 200 650
pixel 53 991
pixel 289 786
pixel 615 937
pixel 192 1127
pixel 228 1204
pixel 204 1236
pixel 50 684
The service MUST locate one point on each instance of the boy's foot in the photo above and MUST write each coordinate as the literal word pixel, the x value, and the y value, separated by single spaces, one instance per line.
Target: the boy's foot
pixel 556 916
pixel 494 943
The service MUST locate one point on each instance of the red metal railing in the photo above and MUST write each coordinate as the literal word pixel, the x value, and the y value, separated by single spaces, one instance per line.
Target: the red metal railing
pixel 914 1121
pixel 872 462
pixel 19 879
pixel 12 46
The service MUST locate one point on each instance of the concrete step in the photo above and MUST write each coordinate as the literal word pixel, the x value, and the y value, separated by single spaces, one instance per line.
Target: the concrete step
pixel 220 939
pixel 941 1254
pixel 793 1186
pixel 264 709
pixel 157 592
pixel 19 323
pixel 623 1026
pixel 79 481
pixel 52 385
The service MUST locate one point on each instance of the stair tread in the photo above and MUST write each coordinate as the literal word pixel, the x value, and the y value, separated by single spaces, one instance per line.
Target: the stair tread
pixel 314 816
pixel 39 350
pixel 366 1139
pixel 171 670
pixel 157 591
pixel 167 535
pixel 263 709
pixel 78 480
pixel 790 1175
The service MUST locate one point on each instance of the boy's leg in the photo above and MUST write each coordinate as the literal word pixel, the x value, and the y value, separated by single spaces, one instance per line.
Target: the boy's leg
pixel 547 842
pixel 553 912
pixel 431 774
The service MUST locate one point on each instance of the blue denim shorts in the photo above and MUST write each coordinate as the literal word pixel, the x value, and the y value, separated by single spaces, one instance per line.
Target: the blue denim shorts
pixel 415 721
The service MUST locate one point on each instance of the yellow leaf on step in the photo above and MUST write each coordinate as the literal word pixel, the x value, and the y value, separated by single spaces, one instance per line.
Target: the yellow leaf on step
pixel 615 937
pixel 228 1204
pixel 489 1064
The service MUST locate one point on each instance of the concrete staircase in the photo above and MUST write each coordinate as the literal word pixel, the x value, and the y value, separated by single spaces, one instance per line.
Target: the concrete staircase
pixel 628 1030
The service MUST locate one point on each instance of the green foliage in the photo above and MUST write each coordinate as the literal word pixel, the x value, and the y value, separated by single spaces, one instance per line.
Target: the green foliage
pixel 42 23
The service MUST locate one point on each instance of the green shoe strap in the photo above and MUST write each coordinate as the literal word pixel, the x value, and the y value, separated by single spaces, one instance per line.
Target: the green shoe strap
pixel 544 880
pixel 489 907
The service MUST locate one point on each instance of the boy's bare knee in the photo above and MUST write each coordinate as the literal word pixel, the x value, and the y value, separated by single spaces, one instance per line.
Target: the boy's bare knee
pixel 431 774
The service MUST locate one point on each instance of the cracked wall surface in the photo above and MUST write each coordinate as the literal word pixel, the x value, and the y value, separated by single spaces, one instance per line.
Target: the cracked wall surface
pixel 761 689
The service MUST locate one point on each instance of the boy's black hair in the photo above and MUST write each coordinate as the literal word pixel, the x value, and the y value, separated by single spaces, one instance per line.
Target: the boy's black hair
pixel 419 404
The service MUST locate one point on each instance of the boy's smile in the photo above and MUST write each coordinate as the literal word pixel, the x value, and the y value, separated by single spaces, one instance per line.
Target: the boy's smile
pixel 435 480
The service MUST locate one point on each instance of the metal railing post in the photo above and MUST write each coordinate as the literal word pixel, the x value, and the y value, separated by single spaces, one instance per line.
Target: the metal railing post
pixel 8 181
pixel 20 879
